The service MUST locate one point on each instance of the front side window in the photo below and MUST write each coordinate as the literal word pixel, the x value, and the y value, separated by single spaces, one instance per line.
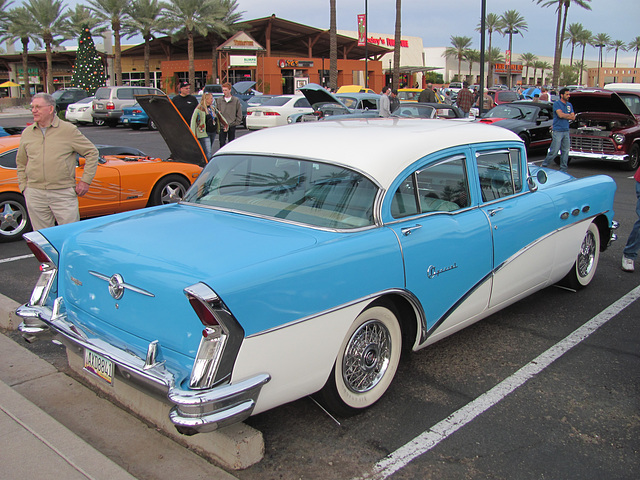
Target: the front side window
pixel 499 174
pixel 442 187
pixel 302 191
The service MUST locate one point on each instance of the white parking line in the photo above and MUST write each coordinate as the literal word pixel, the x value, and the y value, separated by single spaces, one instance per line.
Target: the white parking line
pixel 13 259
pixel 439 432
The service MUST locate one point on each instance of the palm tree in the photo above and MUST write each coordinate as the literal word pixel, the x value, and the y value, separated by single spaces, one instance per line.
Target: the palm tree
pixel 573 36
pixel 79 18
pixel 560 28
pixel 543 66
pixel 617 45
pixel 223 27
pixel 472 56
pixel 20 26
pixel 583 40
pixel 512 22
pixel 113 13
pixel 145 19
pixel 191 17
pixel 49 17
pixel 491 24
pixel 333 47
pixel 458 50
pixel 601 40
pixel 396 48
pixel 634 45
pixel 527 60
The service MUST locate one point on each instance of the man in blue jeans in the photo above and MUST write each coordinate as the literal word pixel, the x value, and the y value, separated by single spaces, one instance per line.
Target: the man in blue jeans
pixel 630 251
pixel 562 113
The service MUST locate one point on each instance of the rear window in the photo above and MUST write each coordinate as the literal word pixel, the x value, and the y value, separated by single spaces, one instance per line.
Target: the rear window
pixel 276 101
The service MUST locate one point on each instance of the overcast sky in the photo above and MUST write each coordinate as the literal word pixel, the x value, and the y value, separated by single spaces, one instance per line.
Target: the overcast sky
pixel 437 20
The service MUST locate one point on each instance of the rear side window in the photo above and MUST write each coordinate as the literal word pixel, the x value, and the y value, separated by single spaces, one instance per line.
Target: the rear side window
pixel 442 187
pixel 303 102
pixel 125 93
pixel 8 159
pixel 103 93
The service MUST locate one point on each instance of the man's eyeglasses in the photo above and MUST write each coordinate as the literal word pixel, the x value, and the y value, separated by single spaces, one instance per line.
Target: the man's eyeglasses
pixel 38 107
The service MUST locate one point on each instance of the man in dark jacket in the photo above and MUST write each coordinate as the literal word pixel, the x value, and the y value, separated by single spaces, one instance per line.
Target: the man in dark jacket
pixel 427 95
pixel 185 102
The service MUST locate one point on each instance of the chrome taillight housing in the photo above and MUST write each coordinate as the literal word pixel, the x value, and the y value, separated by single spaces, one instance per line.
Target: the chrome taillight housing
pixel 221 338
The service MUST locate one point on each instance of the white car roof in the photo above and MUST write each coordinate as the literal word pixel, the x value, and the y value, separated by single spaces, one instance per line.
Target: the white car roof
pixel 380 147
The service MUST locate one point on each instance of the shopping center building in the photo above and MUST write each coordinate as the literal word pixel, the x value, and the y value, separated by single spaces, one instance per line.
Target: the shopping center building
pixel 279 55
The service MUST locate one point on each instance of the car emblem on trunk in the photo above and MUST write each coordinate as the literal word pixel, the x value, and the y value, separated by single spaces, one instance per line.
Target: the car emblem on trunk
pixel 117 285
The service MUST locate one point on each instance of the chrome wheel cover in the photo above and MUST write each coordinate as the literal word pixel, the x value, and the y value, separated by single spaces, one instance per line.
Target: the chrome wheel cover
pixel 13 218
pixel 587 255
pixel 172 193
pixel 366 357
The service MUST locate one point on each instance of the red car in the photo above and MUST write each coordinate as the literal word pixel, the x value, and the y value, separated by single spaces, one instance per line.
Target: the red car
pixel 607 126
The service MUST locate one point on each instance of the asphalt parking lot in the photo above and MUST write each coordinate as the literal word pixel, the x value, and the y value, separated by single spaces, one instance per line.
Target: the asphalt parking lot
pixel 547 388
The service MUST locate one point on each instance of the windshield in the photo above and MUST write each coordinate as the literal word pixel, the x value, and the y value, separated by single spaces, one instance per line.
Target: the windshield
pixel 302 191
pixel 521 112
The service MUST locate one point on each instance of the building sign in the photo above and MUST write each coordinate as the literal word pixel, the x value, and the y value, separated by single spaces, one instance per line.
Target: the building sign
pixel 388 42
pixel 362 29
pixel 243 60
pixel 282 63
pixel 504 68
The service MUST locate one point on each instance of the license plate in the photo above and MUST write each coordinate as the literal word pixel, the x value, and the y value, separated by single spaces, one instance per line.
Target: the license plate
pixel 126 120
pixel 257 114
pixel 99 366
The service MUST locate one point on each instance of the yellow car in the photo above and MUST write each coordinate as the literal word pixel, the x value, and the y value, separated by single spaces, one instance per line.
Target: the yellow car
pixel 412 94
pixel 354 89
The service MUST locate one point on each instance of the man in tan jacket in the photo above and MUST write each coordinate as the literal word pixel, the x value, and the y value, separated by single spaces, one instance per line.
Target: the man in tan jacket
pixel 46 165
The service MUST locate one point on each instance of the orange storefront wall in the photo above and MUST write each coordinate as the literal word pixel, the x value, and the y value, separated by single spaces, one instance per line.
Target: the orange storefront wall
pixel 268 73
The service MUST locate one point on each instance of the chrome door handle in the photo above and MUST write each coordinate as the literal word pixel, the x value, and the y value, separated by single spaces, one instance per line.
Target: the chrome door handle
pixel 494 211
pixel 406 231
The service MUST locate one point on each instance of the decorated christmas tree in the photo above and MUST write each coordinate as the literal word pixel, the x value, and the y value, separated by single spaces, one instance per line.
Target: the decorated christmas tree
pixel 88 72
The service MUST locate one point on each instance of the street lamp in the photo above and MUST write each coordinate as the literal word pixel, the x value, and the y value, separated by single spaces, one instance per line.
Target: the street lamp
pixel 600 46
pixel 510 32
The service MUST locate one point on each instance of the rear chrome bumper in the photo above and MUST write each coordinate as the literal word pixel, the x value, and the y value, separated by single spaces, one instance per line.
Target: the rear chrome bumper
pixel 193 411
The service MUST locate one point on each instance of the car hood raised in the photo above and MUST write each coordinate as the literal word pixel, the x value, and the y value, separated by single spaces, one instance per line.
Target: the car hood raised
pixel 176 133
pixel 599 102
pixel 243 87
pixel 318 95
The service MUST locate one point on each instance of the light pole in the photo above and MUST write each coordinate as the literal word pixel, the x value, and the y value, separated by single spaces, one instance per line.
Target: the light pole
pixel 600 46
pixel 510 32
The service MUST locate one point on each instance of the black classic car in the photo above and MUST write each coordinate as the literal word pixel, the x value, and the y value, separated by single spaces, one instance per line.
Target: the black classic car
pixel 530 120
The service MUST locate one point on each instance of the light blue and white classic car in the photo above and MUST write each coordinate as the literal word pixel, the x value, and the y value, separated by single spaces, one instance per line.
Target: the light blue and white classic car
pixel 306 258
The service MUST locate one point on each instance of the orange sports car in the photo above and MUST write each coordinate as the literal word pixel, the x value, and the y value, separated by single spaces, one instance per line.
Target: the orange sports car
pixel 126 179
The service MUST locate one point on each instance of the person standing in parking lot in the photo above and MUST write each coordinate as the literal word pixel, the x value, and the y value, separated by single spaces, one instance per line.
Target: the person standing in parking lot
pixel 185 102
pixel 385 102
pixel 630 252
pixel 562 113
pixel 427 95
pixel 465 99
pixel 203 124
pixel 231 110
pixel 46 165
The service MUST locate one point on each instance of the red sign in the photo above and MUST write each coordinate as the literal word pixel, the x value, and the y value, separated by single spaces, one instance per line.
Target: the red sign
pixel 362 28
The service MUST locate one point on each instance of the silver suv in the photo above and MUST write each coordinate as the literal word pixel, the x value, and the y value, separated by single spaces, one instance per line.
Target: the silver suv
pixel 109 102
